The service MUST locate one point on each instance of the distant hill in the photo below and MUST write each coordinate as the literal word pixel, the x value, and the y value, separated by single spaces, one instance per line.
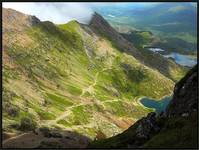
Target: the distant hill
pixel 165 20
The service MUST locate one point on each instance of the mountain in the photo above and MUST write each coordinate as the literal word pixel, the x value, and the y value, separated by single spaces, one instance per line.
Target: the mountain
pixel 65 80
pixel 148 58
pixel 176 128
pixel 143 39
pixel 167 21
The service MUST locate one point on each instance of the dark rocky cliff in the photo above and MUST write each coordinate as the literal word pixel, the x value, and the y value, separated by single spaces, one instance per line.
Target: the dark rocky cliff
pixel 185 95
pixel 176 128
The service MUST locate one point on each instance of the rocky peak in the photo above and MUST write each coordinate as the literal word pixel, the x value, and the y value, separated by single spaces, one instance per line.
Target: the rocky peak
pixel 100 26
pixel 97 20
pixel 98 23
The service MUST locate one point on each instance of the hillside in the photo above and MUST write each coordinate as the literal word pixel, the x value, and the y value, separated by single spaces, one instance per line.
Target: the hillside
pixel 175 128
pixel 143 39
pixel 174 23
pixel 70 77
pixel 153 60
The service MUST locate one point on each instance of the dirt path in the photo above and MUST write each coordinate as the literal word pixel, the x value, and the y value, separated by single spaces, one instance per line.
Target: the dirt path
pixel 63 115
pixel 90 89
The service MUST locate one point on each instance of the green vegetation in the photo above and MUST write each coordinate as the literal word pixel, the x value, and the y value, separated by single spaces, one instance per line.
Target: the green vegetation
pixel 46 115
pixel 139 38
pixel 60 77
pixel 80 116
pixel 61 102
pixel 123 109
pixel 180 133
pixel 27 124
pixel 64 122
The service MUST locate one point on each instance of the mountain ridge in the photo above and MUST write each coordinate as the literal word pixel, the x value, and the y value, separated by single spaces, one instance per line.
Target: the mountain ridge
pixel 101 26
pixel 56 76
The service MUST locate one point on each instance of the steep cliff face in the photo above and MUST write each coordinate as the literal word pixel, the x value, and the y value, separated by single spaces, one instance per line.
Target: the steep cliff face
pixel 101 26
pixel 185 95
pixel 176 128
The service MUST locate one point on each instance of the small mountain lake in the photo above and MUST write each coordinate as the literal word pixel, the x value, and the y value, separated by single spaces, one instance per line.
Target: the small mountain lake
pixel 159 106
pixel 183 60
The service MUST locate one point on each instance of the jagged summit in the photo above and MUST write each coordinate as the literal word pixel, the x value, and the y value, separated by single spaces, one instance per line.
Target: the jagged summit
pixel 99 24
pixel 102 27
pixel 97 21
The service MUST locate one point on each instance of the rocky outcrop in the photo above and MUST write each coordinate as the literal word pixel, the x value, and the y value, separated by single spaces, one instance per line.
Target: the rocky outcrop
pixel 101 26
pixel 185 95
pixel 147 126
pixel 14 21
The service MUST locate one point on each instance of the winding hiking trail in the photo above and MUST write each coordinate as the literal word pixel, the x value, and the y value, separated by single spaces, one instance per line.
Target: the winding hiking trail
pixel 63 115
pixel 89 89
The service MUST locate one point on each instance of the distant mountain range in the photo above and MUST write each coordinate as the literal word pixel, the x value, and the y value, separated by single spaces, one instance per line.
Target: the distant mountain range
pixel 177 21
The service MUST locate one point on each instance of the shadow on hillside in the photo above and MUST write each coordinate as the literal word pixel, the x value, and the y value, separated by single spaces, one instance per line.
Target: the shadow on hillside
pixel 45 138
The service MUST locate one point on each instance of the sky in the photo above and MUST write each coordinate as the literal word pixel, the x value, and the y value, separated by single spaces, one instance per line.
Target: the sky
pixel 63 12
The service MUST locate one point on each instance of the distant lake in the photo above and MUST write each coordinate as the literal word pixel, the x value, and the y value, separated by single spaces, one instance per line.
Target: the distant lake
pixel 156 49
pixel 159 106
pixel 183 60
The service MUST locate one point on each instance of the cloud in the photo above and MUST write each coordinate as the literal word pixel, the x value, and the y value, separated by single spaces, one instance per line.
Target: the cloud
pixel 62 12
pixel 56 12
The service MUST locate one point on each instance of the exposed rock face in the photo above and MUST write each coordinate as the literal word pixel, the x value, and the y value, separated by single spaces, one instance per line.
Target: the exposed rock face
pixel 16 21
pixel 100 25
pixel 185 95
pixel 13 26
pixel 147 126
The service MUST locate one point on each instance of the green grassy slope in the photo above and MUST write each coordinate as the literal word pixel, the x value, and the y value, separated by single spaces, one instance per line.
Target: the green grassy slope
pixel 61 78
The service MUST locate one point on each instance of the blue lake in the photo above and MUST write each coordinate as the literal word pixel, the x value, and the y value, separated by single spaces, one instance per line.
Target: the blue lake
pixel 183 60
pixel 159 106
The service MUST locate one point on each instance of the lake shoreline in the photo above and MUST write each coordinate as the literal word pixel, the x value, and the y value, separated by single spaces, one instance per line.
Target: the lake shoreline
pixel 138 100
